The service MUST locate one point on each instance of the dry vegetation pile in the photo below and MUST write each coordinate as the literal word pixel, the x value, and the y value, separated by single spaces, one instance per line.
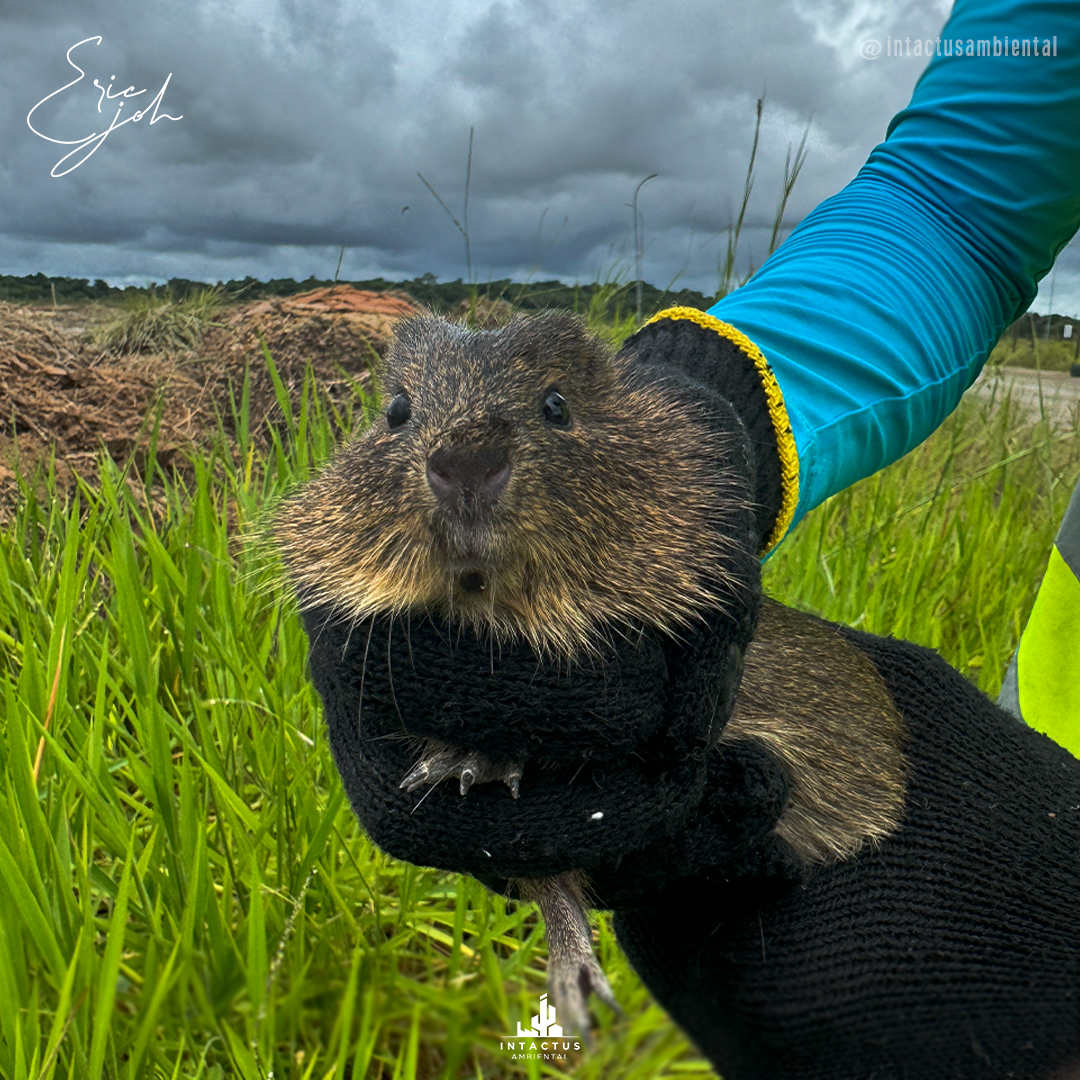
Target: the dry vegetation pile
pixel 59 395
pixel 63 396
pixel 339 331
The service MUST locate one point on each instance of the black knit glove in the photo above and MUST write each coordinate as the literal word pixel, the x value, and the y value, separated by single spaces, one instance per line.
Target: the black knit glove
pixel 722 360
pixel 619 782
pixel 952 952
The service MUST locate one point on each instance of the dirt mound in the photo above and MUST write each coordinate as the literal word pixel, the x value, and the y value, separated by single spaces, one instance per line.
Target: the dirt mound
pixel 370 308
pixel 61 397
pixel 340 331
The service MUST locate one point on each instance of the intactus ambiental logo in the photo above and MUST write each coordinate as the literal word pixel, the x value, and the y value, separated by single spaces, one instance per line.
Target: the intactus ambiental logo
pixel 872 49
pixel 544 1041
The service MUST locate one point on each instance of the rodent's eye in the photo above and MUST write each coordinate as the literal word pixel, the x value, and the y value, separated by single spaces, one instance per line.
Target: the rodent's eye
pixel 555 409
pixel 399 410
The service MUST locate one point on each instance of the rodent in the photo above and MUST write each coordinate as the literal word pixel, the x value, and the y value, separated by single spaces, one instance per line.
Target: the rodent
pixel 520 480
pixel 528 484
pixel 869 869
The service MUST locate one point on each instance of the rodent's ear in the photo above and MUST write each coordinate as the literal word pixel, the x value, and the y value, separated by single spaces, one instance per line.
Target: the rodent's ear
pixel 558 334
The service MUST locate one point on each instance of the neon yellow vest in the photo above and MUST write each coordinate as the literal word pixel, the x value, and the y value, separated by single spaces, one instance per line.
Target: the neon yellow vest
pixel 1048 660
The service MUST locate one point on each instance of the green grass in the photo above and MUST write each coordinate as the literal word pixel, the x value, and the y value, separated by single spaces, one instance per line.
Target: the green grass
pixel 1021 351
pixel 158 322
pixel 184 890
pixel 945 547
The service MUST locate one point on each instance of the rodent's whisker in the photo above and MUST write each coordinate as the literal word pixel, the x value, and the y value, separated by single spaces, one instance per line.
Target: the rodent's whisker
pixel 425 795
pixel 363 673
pixel 577 773
pixel 390 668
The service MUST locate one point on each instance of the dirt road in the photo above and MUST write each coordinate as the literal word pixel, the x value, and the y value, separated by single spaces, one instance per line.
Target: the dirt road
pixel 1060 392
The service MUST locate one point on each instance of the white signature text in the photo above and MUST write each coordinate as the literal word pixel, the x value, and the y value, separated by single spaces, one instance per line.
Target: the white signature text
pixel 95 139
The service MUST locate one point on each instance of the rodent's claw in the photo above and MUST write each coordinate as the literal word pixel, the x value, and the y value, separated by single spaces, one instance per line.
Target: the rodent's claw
pixel 513 780
pixel 420 775
pixel 570 981
pixel 440 760
pixel 468 777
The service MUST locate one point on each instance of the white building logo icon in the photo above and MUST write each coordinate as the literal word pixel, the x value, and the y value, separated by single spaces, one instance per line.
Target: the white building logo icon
pixel 544 1041
pixel 543 1023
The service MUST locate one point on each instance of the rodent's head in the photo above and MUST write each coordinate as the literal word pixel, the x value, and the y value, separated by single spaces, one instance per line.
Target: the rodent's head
pixel 529 484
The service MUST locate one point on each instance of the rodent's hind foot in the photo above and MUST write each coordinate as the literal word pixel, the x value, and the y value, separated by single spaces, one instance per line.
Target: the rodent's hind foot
pixel 440 760
pixel 573 970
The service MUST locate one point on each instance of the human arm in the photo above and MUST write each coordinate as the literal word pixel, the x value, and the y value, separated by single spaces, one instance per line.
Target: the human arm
pixel 880 309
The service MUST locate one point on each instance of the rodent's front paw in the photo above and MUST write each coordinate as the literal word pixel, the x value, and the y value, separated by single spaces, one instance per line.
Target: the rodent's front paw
pixel 440 760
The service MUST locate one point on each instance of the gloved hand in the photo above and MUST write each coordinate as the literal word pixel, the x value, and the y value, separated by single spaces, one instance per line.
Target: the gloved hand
pixel 950 952
pixel 634 817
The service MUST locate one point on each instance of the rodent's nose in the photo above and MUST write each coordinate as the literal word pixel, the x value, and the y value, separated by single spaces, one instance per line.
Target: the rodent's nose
pixel 454 472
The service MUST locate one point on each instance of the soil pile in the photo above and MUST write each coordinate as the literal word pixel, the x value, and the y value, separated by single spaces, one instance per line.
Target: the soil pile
pixel 340 331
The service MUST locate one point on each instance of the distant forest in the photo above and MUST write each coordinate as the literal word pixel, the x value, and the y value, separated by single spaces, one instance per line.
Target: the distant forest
pixel 442 296
pixel 618 298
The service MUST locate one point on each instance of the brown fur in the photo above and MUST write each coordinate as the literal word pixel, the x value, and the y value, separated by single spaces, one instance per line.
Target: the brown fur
pixel 820 706
pixel 609 522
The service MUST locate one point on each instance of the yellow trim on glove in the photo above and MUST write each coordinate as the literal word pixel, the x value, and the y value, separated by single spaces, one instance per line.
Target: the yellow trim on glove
pixel 785 439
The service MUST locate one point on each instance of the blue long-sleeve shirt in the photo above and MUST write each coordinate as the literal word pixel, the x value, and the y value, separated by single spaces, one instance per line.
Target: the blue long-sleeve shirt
pixel 880 309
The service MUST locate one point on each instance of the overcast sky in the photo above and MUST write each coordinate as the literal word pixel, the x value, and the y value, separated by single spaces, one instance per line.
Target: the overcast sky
pixel 304 125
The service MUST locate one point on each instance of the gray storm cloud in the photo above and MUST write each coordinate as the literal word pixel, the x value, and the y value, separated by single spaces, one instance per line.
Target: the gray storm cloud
pixel 304 128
